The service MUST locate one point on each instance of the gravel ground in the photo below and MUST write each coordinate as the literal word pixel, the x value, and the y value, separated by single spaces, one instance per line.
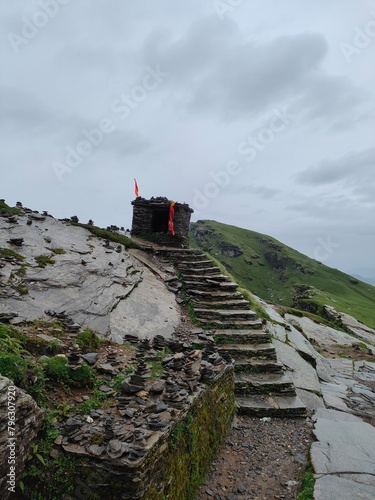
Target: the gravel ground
pixel 260 461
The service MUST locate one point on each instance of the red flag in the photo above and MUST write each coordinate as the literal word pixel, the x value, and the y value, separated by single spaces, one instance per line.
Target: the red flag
pixel 136 190
pixel 171 215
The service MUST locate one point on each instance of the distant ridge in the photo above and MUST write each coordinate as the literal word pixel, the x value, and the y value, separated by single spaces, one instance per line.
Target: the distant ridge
pixel 370 281
pixel 282 275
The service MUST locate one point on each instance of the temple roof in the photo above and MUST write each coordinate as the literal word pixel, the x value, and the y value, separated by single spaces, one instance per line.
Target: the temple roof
pixel 159 202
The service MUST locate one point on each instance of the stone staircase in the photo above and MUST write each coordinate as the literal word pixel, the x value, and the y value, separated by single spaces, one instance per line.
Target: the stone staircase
pixel 261 386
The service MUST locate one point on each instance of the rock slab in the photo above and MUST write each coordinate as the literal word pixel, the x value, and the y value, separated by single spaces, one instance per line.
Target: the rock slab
pixel 345 446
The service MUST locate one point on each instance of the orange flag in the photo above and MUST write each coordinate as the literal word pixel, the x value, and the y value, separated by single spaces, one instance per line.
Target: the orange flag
pixel 136 190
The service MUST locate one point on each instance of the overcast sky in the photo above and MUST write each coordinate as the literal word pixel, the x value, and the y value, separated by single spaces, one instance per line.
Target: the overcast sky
pixel 258 113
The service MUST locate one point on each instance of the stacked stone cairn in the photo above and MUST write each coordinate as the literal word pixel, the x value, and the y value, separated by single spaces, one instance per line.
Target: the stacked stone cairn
pixel 144 407
pixel 75 360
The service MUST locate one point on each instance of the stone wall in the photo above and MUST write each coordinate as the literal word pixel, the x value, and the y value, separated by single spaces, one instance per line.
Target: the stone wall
pixel 177 462
pixel 15 441
pixel 143 225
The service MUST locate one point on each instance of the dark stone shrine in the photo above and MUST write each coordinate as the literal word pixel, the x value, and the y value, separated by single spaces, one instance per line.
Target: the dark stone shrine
pixel 151 221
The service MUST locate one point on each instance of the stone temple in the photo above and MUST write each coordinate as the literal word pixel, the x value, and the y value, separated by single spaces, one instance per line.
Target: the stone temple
pixel 151 221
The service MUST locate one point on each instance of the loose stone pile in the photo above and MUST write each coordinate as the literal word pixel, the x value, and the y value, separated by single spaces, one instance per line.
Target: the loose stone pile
pixel 142 406
pixel 69 325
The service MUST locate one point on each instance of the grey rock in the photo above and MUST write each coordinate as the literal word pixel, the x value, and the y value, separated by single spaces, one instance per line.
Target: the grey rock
pixel 48 338
pixel 300 458
pixel 92 295
pixel 311 400
pixel 241 488
pixel 106 368
pixel 91 357
pixel 344 445
pixel 304 375
pixel 96 450
pixel 105 388
pixel 29 419
pixel 332 487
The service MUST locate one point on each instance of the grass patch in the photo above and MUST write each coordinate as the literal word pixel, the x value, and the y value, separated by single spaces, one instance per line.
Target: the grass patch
pixel 43 260
pixel 22 289
pixel 44 476
pixel 88 340
pixel 247 369
pixel 38 346
pixel 308 483
pixel 7 252
pixel 22 270
pixel 109 235
pixel 273 270
pixel 14 367
pixel 98 399
pixel 17 364
pixel 121 377
pixel 6 209
pixel 156 369
pixel 58 251
pixel 35 325
pixel 56 370
pixel 12 339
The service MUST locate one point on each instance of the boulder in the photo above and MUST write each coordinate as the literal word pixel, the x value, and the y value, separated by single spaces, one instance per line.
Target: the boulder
pixel 19 407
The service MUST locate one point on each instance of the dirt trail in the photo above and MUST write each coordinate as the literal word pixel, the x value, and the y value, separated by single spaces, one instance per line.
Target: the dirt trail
pixel 260 461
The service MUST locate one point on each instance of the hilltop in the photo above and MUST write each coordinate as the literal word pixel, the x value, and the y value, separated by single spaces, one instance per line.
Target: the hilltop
pixel 88 316
pixel 282 275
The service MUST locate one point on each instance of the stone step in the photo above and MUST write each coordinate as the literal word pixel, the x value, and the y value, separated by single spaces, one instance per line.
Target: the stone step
pixel 215 295
pixel 205 271
pixel 225 314
pixel 271 406
pixel 222 278
pixel 264 383
pixel 258 366
pixel 210 285
pixel 241 337
pixel 182 251
pixel 197 264
pixel 242 352
pixel 230 324
pixel 223 304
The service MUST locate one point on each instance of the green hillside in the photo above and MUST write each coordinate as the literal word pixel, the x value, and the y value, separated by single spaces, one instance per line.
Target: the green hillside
pixel 279 274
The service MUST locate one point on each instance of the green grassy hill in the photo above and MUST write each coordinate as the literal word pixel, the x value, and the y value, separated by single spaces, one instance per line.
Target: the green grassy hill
pixel 279 274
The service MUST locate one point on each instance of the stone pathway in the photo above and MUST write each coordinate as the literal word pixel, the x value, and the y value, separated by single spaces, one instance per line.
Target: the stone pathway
pixel 261 386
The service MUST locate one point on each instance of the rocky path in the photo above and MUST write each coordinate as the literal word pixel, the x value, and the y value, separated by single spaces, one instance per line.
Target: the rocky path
pixel 260 461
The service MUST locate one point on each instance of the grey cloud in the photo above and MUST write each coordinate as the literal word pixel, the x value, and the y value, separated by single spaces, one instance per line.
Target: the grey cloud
pixel 191 56
pixel 330 209
pixel 125 143
pixel 218 74
pixel 253 189
pixel 355 170
pixel 331 97
pixel 22 112
pixel 252 77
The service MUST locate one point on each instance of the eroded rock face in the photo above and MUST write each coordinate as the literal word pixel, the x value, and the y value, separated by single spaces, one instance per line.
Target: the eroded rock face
pixel 64 268
pixel 19 407
pixel 230 250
